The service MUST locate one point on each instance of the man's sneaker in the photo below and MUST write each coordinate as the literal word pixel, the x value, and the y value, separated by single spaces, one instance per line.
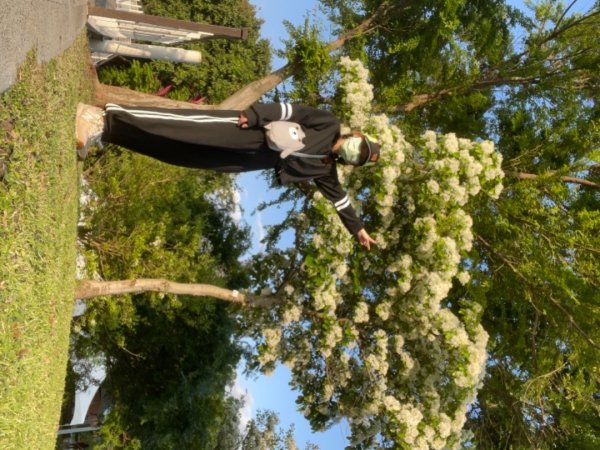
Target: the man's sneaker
pixel 89 126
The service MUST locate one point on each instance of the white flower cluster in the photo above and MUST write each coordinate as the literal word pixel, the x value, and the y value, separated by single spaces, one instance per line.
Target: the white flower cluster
pixel 375 326
pixel 270 349
pixel 358 93
pixel 361 313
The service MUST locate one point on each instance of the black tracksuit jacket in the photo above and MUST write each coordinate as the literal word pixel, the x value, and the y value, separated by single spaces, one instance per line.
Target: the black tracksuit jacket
pixel 212 140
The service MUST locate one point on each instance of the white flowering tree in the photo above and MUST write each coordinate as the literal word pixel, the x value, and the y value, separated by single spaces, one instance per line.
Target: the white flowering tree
pixel 371 337
pixel 368 336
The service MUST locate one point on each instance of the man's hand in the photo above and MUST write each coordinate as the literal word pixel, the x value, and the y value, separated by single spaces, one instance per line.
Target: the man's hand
pixel 243 121
pixel 364 239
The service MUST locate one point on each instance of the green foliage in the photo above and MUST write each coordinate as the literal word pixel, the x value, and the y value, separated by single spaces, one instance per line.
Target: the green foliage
pixel 229 436
pixel 262 433
pixel 541 258
pixel 137 76
pixel 154 220
pixel 226 65
pixel 113 435
pixel 423 50
pixel 310 63
pixel 542 315
pixel 182 358
pixel 149 220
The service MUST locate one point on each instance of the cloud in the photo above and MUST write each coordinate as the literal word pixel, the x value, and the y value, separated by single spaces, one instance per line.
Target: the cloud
pixel 239 391
pixel 259 232
pixel 236 210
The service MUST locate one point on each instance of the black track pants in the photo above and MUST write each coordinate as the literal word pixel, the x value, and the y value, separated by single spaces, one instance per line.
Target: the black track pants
pixel 189 137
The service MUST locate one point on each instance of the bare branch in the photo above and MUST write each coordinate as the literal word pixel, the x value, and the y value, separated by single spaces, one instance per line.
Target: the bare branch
pixel 90 288
pixel 564 179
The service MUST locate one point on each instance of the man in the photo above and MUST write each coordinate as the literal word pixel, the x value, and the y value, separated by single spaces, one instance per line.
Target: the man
pixel 301 143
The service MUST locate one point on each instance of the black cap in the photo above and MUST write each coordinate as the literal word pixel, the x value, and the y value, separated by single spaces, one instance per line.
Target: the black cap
pixel 373 153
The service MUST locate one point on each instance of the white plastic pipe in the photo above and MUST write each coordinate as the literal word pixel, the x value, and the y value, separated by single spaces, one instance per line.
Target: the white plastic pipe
pixel 146 51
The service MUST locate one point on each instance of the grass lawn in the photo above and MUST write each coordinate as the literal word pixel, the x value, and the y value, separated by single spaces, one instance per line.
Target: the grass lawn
pixel 38 225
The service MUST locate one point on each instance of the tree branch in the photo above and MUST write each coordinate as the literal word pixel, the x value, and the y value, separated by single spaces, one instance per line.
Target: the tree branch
pixel 90 288
pixel 573 322
pixel 529 284
pixel 564 179
pixel 422 99
pixel 364 27
pixel 516 59
pixel 558 31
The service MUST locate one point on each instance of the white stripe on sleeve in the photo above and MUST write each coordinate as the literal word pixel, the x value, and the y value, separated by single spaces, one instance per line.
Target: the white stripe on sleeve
pixel 286 111
pixel 343 203
pixel 282 106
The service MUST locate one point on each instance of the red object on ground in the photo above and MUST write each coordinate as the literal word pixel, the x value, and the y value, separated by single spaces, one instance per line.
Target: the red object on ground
pixel 198 100
pixel 164 91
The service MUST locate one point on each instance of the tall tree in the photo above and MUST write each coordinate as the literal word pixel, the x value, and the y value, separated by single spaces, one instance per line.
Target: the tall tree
pixel 529 81
pixel 147 220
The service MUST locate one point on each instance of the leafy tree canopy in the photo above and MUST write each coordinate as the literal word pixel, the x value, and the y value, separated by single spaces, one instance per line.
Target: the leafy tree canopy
pixel 527 80
pixel 148 220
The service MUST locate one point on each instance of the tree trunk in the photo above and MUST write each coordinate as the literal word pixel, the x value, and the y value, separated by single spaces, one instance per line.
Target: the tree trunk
pixel 252 92
pixel 90 288
pixel 114 94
